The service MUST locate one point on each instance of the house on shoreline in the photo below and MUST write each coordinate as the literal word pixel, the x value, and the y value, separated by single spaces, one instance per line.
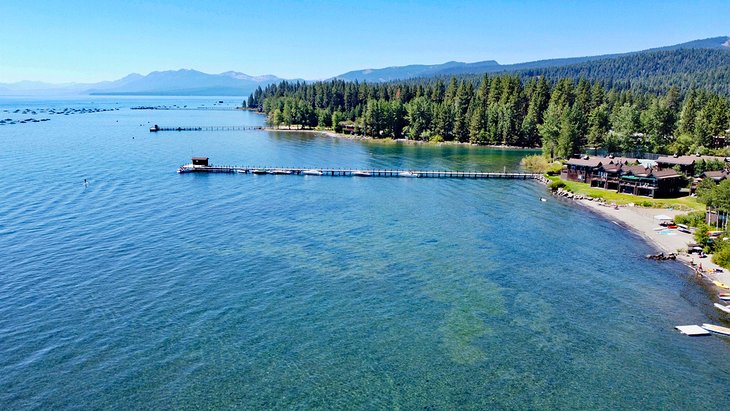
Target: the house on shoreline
pixel 624 175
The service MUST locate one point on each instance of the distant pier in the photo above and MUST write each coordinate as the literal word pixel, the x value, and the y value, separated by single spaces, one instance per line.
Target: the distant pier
pixel 200 165
pixel 156 128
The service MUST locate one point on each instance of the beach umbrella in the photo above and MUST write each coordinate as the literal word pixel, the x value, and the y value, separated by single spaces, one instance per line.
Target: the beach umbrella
pixel 662 217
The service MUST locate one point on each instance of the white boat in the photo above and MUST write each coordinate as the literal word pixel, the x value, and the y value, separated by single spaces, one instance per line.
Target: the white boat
pixel 407 174
pixel 280 171
pixel 716 329
pixel 312 172
pixel 361 174
pixel 721 307
pixel 259 171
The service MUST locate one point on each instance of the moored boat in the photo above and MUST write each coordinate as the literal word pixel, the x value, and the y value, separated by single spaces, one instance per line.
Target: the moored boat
pixel 312 172
pixel 280 171
pixel 259 171
pixel 721 307
pixel 361 174
pixel 724 296
pixel 716 329
pixel 407 174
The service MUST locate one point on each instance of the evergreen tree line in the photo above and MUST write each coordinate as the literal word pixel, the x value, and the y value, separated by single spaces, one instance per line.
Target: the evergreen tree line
pixel 563 117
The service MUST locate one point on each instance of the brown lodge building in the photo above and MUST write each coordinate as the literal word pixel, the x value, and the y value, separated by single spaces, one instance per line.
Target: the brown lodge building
pixel 625 175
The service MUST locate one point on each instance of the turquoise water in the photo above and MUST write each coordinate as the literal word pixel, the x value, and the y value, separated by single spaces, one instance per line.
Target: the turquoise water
pixel 149 289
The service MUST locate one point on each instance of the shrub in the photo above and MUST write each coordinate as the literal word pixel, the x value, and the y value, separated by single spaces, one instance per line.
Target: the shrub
pixel 555 185
pixel 436 139
pixel 535 163
pixel 554 169
pixel 701 236
pixel 693 219
pixel 721 256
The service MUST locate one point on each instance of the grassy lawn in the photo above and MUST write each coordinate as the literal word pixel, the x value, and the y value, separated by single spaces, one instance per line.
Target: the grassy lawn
pixel 682 203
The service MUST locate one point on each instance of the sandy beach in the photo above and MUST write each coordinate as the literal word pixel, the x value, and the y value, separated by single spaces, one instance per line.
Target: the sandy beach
pixel 641 220
pixel 387 140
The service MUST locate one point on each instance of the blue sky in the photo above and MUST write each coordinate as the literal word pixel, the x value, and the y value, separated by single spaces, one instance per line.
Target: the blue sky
pixel 89 41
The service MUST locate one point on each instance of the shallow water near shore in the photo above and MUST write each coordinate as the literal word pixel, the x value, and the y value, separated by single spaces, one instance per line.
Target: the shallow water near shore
pixel 149 289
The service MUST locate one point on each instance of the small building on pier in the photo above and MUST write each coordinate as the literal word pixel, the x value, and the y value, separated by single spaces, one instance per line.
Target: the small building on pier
pixel 200 161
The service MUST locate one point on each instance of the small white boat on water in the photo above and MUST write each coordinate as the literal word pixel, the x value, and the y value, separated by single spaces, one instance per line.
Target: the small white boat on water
pixel 716 329
pixel 361 174
pixel 721 307
pixel 312 172
pixel 280 171
pixel 407 174
pixel 259 171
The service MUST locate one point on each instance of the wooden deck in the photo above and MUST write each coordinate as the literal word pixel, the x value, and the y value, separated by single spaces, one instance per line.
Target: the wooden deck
pixel 347 172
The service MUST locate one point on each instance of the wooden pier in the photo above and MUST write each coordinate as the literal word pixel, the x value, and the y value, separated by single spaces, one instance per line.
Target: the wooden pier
pixel 348 172
pixel 156 128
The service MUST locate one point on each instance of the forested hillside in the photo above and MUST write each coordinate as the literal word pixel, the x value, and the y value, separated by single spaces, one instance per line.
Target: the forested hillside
pixel 696 64
pixel 564 117
pixel 653 72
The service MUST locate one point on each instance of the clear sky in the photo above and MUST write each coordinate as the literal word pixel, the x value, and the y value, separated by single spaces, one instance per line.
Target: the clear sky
pixel 90 41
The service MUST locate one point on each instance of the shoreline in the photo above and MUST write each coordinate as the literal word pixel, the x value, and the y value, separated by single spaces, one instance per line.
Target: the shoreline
pixel 641 221
pixel 389 140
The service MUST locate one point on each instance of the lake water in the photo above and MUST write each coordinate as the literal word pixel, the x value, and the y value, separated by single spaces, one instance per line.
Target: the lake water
pixel 150 289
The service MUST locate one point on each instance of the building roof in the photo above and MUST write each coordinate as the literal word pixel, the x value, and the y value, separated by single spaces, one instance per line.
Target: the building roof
pixel 715 175
pixel 687 160
pixel 679 160
pixel 665 173
pixel 590 162
pixel 623 160
pixel 639 171
pixel 612 168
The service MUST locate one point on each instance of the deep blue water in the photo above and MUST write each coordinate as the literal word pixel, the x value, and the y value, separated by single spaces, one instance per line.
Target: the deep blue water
pixel 149 289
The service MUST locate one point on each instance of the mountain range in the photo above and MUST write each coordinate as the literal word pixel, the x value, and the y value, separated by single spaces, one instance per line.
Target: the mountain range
pixel 195 83
pixel 490 66
pixel 158 83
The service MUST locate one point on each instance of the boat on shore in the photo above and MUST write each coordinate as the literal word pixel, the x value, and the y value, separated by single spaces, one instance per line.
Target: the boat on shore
pixel 724 296
pixel 716 329
pixel 721 307
pixel 721 284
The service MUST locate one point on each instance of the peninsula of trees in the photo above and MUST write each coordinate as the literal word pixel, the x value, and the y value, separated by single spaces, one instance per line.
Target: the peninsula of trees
pixel 562 116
